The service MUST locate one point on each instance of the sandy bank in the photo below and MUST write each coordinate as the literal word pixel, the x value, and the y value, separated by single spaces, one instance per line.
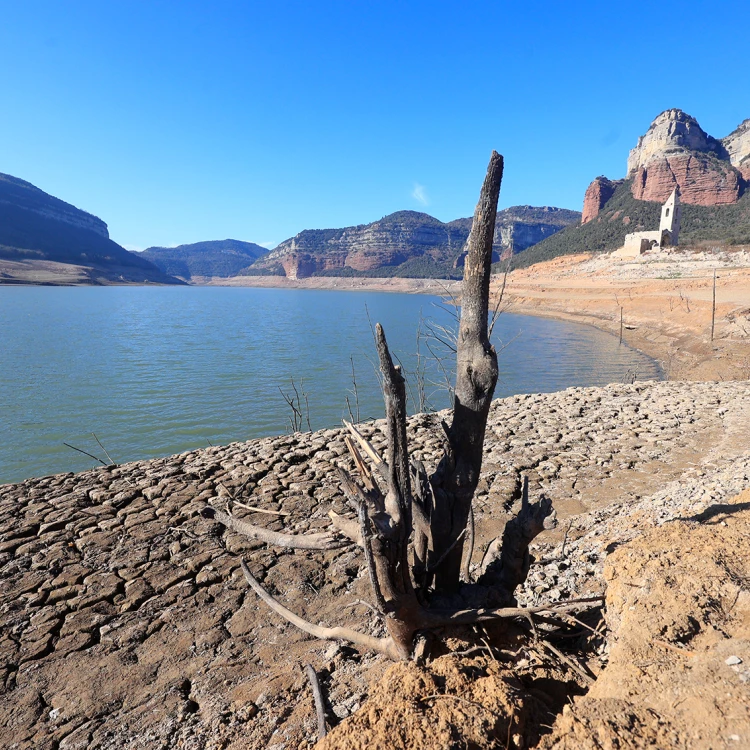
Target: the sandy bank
pixel 396 285
pixel 666 303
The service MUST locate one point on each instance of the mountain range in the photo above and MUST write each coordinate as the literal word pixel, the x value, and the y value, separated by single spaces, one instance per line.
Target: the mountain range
pixel 712 175
pixel 406 243
pixel 221 258
pixel 35 227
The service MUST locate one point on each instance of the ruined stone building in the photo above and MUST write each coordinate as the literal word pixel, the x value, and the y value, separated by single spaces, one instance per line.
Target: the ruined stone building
pixel 667 235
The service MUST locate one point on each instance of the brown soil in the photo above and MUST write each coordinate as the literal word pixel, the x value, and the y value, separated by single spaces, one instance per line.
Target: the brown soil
pixel 678 608
pixel 125 621
pixel 666 302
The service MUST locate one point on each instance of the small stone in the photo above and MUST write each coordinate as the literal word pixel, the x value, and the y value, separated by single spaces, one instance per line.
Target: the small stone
pixel 732 660
pixel 341 711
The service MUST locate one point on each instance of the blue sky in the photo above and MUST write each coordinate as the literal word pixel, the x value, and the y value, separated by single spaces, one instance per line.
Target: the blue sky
pixel 184 121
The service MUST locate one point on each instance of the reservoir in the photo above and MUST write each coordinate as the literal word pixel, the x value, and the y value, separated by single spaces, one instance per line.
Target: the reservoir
pixel 153 371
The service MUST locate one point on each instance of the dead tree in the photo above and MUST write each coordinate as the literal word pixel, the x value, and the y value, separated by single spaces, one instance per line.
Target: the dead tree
pixel 412 527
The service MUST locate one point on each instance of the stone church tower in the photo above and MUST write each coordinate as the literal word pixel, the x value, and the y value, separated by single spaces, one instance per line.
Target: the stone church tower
pixel 670 220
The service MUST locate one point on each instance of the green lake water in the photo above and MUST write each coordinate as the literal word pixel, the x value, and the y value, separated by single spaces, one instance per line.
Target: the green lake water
pixel 158 370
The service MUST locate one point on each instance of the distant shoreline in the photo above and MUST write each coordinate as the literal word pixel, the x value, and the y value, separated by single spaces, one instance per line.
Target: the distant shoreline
pixel 392 284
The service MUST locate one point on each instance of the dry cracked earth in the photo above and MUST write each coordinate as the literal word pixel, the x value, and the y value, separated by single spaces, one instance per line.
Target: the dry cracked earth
pixel 125 621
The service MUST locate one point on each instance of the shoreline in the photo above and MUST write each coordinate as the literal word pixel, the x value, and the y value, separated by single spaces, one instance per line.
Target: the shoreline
pixel 665 299
pixel 391 284
pixel 118 566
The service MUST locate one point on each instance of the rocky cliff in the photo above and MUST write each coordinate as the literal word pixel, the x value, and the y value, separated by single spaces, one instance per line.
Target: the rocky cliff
pixel 597 194
pixel 676 152
pixel 37 227
pixel 22 194
pixel 737 145
pixel 407 243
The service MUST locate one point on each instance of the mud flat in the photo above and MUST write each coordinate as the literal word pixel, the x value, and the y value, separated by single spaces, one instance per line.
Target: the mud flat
pixel 125 621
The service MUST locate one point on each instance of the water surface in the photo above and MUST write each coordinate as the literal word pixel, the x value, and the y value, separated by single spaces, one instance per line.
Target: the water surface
pixel 158 370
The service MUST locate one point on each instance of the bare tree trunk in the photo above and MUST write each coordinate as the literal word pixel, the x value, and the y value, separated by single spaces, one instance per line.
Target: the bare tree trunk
pixel 413 530
pixel 456 477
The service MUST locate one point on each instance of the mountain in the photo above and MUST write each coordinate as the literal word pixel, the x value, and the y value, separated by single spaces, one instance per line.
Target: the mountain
pixel 406 243
pixel 675 152
pixel 221 258
pixel 36 227
pixel 712 175
pixel 622 213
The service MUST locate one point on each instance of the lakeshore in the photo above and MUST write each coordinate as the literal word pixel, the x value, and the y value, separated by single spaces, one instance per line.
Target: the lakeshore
pixel 126 621
pixel 125 611
pixel 666 301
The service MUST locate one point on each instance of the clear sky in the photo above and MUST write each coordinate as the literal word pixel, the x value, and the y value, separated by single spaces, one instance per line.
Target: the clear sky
pixel 184 121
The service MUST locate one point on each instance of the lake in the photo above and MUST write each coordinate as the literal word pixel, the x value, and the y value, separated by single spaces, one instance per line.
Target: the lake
pixel 154 371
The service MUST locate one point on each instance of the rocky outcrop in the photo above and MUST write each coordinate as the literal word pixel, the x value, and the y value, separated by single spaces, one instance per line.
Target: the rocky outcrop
pixel 22 194
pixel 737 145
pixel 520 227
pixel 677 152
pixel 702 180
pixel 597 194
pixel 408 237
pixel 673 131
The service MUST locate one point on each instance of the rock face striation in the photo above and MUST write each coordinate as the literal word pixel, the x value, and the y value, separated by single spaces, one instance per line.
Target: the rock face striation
pixel 37 227
pixel 407 243
pixel 21 194
pixel 737 145
pixel 676 152
pixel 597 194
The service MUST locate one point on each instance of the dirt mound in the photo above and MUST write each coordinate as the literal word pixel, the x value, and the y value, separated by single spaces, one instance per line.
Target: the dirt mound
pixel 452 703
pixel 678 606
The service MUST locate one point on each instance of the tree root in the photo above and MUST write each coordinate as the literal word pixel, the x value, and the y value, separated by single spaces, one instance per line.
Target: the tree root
pixel 322 540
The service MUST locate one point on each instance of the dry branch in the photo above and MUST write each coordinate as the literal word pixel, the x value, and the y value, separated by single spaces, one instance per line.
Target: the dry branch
pixel 380 645
pixel 318 698
pixel 322 540
pixel 411 526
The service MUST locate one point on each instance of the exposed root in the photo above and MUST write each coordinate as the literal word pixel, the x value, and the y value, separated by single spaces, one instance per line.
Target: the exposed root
pixel 322 540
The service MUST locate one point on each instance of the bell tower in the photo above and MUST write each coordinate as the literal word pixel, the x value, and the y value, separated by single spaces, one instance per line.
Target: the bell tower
pixel 670 218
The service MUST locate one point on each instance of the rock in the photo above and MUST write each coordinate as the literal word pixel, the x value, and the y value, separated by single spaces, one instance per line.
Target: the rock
pixel 737 145
pixel 405 236
pixel 702 180
pixel 732 660
pixel 676 152
pixel 597 194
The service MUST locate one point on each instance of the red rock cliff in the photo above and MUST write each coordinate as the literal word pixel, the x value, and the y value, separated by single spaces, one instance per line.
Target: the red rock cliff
pixel 676 152
pixel 702 180
pixel 597 194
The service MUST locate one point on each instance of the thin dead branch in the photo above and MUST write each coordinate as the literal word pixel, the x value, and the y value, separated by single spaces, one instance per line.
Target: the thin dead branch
pixel 318 698
pixel 86 453
pixel 380 645
pixel 322 540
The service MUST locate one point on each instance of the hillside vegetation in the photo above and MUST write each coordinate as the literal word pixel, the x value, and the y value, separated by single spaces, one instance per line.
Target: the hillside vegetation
pixel 622 214
pixel 221 258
